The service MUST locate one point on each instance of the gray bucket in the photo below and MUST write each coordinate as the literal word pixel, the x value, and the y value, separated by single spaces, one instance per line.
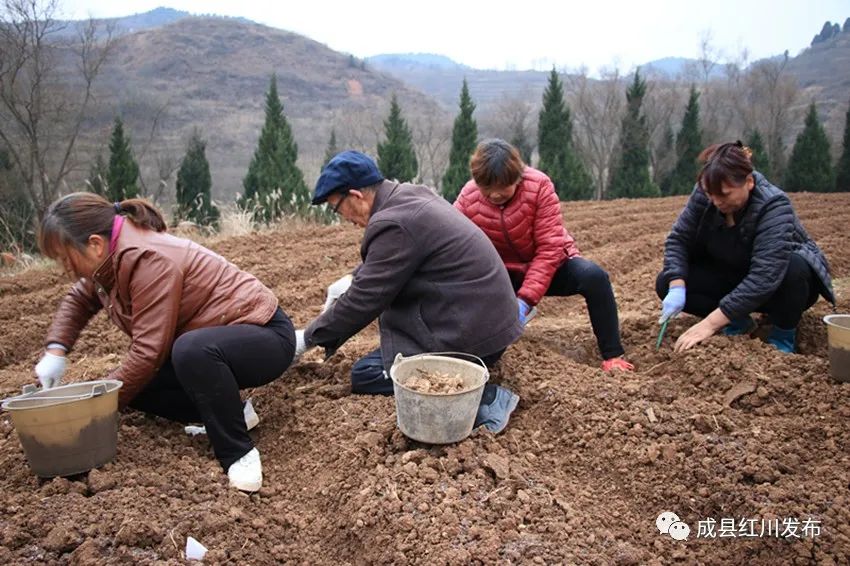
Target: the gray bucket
pixel 68 429
pixel 432 417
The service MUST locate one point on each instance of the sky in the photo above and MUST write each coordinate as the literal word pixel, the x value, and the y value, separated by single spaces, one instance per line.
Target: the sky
pixel 524 34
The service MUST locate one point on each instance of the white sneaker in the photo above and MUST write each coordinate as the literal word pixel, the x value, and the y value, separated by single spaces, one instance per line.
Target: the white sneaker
pixel 251 420
pixel 246 473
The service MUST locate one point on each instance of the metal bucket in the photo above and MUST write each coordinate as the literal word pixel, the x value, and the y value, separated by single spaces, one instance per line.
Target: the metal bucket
pixel 68 429
pixel 433 417
pixel 838 336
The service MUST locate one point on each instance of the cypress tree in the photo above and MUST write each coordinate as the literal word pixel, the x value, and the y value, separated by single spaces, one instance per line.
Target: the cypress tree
pixel 810 166
pixel 630 177
pixel 759 159
pixel 194 184
pixel 332 148
pixel 688 147
pixel 464 139
pixel 842 173
pixel 123 172
pixel 554 141
pixel 274 185
pixel 396 157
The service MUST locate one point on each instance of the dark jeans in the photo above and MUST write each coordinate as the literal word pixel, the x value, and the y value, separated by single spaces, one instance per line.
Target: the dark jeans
pixel 707 284
pixel 369 378
pixel 207 368
pixel 579 276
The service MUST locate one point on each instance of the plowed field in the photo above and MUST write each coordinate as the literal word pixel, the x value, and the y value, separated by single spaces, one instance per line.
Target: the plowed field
pixel 731 430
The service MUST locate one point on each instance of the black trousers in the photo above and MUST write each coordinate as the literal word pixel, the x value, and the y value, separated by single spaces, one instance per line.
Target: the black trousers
pixel 207 368
pixel 579 276
pixel 708 283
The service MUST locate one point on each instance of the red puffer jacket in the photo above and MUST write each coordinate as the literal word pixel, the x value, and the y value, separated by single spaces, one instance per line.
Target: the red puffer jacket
pixel 527 231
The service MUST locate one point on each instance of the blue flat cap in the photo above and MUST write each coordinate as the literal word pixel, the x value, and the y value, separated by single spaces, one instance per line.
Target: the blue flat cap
pixel 347 170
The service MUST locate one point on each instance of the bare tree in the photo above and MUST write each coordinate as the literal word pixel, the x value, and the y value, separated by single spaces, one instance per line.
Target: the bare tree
pixel 432 136
pixel 773 94
pixel 663 106
pixel 598 108
pixel 42 105
pixel 513 120
pixel 165 164
pixel 360 129
pixel 714 121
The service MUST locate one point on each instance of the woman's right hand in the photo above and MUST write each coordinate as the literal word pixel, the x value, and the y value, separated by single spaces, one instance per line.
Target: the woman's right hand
pixel 50 368
pixel 673 303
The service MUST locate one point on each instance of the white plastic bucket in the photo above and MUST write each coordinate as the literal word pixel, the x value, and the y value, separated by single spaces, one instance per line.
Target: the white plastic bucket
pixel 437 418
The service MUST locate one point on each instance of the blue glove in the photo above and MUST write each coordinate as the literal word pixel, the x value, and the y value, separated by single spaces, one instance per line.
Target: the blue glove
pixel 673 303
pixel 524 309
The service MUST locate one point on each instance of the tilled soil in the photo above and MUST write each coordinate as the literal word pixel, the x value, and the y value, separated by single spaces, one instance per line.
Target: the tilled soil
pixel 730 430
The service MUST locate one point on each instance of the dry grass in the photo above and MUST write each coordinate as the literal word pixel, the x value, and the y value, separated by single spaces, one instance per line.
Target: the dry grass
pixel 234 222
pixel 25 263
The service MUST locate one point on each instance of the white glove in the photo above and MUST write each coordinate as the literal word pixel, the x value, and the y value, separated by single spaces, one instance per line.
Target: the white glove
pixel 50 369
pixel 336 290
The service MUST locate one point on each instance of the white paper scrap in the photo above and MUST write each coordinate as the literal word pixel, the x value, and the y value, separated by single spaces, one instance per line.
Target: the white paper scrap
pixel 194 549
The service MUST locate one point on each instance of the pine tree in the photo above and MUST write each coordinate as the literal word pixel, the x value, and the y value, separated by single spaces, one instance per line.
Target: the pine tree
pixel 123 172
pixel 332 148
pixel 554 141
pixel 760 161
pixel 274 185
pixel 464 139
pixel 842 173
pixel 194 184
pixel 630 178
pixel 810 166
pixel 396 157
pixel 688 147
pixel 97 176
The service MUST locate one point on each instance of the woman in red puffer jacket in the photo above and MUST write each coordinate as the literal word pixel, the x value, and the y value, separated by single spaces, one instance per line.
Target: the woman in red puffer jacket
pixel 518 209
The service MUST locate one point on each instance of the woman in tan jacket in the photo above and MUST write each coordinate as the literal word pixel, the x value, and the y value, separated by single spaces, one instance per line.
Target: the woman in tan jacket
pixel 200 328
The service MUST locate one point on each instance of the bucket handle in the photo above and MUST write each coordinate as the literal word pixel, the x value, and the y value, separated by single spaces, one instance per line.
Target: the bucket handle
pixel 473 357
pixel 96 391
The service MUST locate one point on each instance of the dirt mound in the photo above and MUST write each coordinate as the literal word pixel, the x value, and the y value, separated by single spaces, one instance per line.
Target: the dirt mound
pixel 732 430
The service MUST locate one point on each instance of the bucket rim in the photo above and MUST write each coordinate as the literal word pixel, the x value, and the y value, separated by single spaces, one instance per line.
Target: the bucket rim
pixel 828 319
pixel 112 386
pixel 400 358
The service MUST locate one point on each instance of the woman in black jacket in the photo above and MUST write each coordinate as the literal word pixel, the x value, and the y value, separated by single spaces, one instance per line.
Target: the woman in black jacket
pixel 738 247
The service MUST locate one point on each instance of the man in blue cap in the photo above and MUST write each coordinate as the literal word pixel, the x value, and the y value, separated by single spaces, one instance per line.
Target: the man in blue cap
pixel 430 276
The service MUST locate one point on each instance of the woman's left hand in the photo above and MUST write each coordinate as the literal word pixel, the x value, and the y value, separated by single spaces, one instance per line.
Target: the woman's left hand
pixel 694 335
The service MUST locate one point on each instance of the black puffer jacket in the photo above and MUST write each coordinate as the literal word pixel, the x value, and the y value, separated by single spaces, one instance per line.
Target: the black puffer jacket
pixel 767 232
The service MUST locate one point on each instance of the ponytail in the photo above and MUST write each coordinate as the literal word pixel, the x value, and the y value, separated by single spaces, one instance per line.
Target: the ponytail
pixel 142 213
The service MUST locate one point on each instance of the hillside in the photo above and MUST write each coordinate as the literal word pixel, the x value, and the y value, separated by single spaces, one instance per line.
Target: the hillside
pixel 442 78
pixel 823 71
pixel 212 73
